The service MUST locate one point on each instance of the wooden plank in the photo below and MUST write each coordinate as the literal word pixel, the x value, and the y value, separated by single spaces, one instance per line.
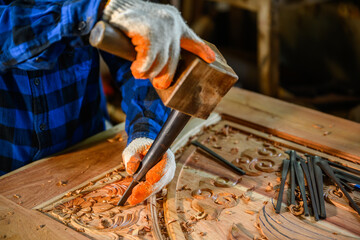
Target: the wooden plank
pixel 17 222
pixel 40 181
pixel 320 131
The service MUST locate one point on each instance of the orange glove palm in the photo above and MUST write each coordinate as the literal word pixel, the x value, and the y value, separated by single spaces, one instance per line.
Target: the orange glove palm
pixel 158 176
pixel 157 31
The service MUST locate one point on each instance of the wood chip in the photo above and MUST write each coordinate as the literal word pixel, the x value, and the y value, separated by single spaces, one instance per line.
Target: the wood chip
pixel 216 146
pixel 40 226
pixel 62 183
pixel 172 221
pixel 202 234
pixel 249 212
pixel 317 126
pixel 16 196
pixel 234 151
pixel 184 188
pixel 326 133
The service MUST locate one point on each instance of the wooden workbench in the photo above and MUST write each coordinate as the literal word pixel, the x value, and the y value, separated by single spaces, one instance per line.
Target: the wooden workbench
pixel 29 195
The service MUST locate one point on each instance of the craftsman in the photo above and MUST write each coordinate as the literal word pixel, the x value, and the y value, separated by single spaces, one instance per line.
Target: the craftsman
pixel 51 95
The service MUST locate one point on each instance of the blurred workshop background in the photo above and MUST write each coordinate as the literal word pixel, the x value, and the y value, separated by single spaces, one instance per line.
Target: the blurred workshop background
pixel 302 51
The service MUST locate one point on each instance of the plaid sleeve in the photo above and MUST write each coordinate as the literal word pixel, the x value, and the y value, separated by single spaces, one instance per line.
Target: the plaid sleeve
pixel 145 112
pixel 30 31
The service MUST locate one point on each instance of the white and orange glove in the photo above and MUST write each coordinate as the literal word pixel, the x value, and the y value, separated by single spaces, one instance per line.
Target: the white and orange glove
pixel 156 178
pixel 157 32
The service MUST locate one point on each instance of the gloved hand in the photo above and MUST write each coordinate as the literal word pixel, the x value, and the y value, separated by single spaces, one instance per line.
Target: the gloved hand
pixel 157 32
pixel 158 176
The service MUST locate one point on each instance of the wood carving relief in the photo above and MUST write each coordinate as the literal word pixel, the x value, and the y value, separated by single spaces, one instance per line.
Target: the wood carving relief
pixel 92 210
pixel 336 197
pixel 207 200
pixel 288 226
pixel 257 160
pixel 210 199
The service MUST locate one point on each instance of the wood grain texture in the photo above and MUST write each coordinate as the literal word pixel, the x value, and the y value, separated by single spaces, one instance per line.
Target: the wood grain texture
pixel 17 222
pixel 41 181
pixel 282 226
pixel 92 210
pixel 307 127
pixel 218 203
pixel 198 86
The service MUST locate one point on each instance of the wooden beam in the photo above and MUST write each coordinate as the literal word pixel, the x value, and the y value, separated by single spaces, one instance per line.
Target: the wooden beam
pixel 268 47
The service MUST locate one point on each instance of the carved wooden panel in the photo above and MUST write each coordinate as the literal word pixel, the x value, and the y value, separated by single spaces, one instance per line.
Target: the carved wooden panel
pixel 206 200
pixel 92 210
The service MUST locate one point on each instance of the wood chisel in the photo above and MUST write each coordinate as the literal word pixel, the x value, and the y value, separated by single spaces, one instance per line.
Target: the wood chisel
pixel 196 90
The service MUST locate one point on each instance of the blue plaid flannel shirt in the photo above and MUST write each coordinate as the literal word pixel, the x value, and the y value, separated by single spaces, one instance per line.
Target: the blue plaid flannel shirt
pixel 50 90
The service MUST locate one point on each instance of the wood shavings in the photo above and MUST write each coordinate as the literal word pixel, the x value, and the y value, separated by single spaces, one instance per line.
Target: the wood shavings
pixel 117 138
pixel 249 212
pixel 216 146
pixel 245 199
pixel 225 131
pixel 62 183
pixel 278 179
pixel 40 226
pixel 326 133
pixel 296 209
pixel 212 139
pixel 202 234
pixel 184 188
pixel 234 151
pixel 249 137
pixel 178 210
pixel 269 187
pixel 318 126
pixel 172 221
pixel 200 215
pixel 16 196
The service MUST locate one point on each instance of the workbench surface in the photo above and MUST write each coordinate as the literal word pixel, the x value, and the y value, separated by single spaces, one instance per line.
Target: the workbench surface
pixel 29 195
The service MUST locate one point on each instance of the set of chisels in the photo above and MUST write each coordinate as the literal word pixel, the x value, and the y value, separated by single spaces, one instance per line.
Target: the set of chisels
pixel 313 172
